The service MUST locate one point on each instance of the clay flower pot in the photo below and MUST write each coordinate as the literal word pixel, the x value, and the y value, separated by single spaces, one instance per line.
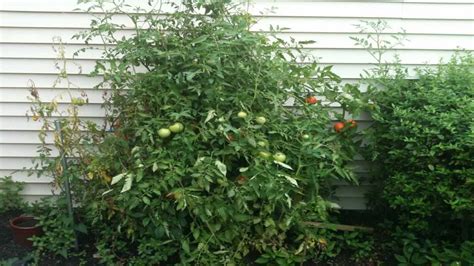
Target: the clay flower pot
pixel 24 227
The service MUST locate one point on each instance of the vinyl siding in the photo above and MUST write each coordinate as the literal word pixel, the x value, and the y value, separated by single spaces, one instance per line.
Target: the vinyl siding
pixel 434 29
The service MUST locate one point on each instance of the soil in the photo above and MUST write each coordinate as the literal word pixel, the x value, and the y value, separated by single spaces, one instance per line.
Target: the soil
pixel 27 223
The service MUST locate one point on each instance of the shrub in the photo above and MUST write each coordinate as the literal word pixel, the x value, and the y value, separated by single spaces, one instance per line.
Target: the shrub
pixel 206 165
pixel 10 198
pixel 58 236
pixel 422 137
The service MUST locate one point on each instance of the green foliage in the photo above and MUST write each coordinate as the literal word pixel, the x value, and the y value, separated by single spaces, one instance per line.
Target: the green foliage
pixel 360 245
pixel 422 140
pixel 10 199
pixel 58 237
pixel 217 191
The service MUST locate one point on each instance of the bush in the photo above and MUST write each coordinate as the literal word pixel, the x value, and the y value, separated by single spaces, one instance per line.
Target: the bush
pixel 58 237
pixel 206 165
pixel 422 139
pixel 10 198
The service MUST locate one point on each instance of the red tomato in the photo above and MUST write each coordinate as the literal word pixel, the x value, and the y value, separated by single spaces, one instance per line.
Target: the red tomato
pixel 339 126
pixel 311 100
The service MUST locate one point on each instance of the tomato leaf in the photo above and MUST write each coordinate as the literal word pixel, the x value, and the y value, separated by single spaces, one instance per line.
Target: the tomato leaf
pixel 222 168
pixel 117 178
pixel 210 115
pixel 284 165
pixel 291 180
pixel 128 184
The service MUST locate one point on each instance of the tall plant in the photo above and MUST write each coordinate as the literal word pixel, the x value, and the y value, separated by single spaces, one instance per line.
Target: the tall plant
pixel 206 165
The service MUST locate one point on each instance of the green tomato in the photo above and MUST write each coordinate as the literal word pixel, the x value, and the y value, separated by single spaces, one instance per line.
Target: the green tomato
pixel 164 133
pixel 78 101
pixel 242 114
pixel 262 143
pixel 305 136
pixel 264 154
pixel 261 120
pixel 176 127
pixel 279 157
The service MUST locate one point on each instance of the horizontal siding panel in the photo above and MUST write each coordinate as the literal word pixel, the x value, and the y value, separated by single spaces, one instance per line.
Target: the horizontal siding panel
pixel 81 21
pixel 21 95
pixel 33 198
pixel 45 81
pixel 14 163
pixel 19 109
pixel 293 9
pixel 328 56
pixel 366 10
pixel 38 189
pixel 22 137
pixel 18 123
pixel 440 1
pixel 323 40
pixel 22 150
pixel 22 176
pixel 22 81
pixel 46 66
pixel 21 50
pixel 351 191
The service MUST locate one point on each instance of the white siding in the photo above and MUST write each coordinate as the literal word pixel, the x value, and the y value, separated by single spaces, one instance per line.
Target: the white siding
pixel 434 29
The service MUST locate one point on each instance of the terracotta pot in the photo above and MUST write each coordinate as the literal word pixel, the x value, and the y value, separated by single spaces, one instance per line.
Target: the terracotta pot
pixel 24 227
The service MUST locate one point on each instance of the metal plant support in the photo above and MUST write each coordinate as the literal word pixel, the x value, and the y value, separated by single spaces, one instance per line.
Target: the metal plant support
pixel 67 188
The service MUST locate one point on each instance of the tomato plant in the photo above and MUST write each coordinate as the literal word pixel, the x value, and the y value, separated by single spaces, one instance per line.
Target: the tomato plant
pixel 203 166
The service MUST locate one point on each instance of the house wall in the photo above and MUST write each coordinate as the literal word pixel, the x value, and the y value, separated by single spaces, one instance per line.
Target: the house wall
pixel 434 29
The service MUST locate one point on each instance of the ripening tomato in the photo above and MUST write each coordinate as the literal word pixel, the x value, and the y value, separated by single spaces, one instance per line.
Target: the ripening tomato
pixel 339 126
pixel 241 179
pixel 311 100
pixel 352 122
